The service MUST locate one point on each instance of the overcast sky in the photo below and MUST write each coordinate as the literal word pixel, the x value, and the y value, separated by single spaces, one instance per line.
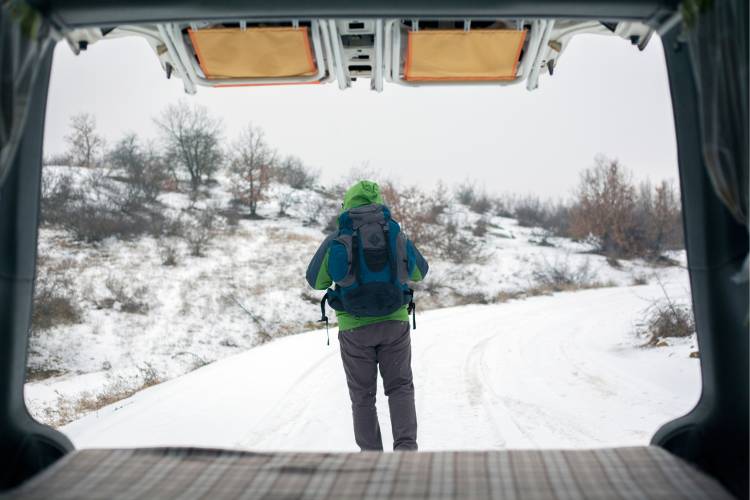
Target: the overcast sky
pixel 605 97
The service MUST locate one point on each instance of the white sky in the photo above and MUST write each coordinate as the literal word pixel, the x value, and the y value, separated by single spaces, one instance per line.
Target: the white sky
pixel 605 97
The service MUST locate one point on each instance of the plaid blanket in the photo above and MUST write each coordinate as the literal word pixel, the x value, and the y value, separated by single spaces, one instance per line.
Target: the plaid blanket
pixel 191 473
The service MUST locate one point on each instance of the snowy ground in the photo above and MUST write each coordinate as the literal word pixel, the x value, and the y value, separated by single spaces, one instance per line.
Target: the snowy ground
pixel 249 287
pixel 553 371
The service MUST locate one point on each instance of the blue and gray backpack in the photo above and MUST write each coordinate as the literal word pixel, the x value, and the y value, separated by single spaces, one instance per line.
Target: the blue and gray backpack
pixel 370 263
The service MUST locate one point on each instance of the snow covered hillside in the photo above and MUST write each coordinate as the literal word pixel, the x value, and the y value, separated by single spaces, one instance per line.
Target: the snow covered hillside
pixel 553 371
pixel 150 309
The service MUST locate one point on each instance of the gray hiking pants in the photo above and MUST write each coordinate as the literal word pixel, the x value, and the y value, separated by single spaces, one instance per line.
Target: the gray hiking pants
pixel 388 345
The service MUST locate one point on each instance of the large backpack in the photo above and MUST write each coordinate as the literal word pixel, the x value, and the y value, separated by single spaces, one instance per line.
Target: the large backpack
pixel 369 263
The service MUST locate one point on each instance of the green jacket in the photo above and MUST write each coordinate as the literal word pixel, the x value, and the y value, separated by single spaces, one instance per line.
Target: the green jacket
pixel 362 193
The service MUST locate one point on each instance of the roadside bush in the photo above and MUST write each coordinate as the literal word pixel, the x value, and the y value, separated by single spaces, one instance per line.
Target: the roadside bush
pixel 666 319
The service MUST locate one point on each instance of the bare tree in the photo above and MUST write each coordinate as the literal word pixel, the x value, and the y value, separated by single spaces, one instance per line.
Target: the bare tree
pixel 192 137
pixel 252 160
pixel 292 172
pixel 84 143
pixel 659 217
pixel 144 168
pixel 605 208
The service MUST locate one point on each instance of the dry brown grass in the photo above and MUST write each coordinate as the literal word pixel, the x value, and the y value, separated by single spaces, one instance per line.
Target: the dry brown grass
pixel 66 410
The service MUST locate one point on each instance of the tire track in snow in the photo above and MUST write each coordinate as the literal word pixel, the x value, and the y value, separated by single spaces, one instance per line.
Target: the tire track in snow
pixel 478 393
pixel 295 400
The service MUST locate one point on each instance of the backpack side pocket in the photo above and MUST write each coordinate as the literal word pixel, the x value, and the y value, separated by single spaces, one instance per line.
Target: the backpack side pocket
pixel 340 260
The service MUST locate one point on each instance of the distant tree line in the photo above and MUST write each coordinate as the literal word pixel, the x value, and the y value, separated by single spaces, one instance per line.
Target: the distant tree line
pixel 190 150
pixel 620 218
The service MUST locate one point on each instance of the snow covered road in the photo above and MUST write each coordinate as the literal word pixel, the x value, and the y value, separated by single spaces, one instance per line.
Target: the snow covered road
pixel 553 371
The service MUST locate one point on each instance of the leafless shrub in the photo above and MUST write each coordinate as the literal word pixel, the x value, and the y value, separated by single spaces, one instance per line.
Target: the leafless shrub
pixel 199 232
pixel 476 199
pixel 54 297
pixel 94 210
pixel 480 228
pixel 287 198
pixel 418 213
pixel 503 205
pixel 458 247
pixel 481 204
pixel 560 275
pixel 466 193
pixel 540 237
pixel 665 318
pixel 530 211
pixel 639 279
pixel 90 223
pixel 292 172
pixel 614 263
pixel 557 219
pixel 58 192
pixel 167 252
pixel 168 226
pixel 124 297
pixel 319 211
pixel 144 170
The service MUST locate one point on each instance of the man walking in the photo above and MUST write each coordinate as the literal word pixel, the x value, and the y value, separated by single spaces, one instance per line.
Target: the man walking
pixel 371 262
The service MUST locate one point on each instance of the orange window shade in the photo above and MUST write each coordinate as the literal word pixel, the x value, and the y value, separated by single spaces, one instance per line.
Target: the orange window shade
pixel 253 53
pixel 457 55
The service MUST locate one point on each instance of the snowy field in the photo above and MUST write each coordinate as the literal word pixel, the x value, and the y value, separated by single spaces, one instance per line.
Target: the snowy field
pixel 207 348
pixel 553 371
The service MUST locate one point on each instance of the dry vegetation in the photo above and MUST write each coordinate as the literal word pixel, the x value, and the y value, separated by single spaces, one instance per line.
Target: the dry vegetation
pixel 66 410
pixel 665 319
pixel 54 297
